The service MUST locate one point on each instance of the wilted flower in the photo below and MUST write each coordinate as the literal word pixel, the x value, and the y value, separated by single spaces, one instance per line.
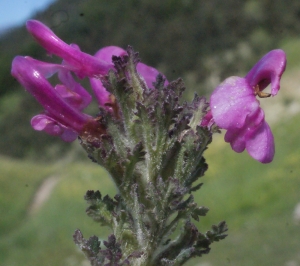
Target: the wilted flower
pixel 234 107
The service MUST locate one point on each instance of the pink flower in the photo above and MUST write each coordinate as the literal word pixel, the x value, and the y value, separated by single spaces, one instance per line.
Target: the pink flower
pixel 63 104
pixel 234 107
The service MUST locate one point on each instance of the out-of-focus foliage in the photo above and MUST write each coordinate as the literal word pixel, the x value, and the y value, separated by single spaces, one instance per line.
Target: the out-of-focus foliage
pixel 201 41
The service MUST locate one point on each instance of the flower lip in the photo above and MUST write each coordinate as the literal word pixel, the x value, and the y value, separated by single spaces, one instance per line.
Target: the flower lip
pixel 84 64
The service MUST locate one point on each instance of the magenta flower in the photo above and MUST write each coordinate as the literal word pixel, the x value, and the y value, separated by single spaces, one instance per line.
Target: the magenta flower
pixel 234 107
pixel 63 104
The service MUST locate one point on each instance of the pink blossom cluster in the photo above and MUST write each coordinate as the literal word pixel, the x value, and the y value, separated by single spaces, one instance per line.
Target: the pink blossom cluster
pixel 63 104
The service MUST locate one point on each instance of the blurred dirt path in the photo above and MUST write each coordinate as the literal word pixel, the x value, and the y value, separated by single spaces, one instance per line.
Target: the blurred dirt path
pixel 43 193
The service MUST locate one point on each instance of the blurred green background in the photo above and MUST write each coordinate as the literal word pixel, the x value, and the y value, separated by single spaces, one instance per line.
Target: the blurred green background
pixel 43 180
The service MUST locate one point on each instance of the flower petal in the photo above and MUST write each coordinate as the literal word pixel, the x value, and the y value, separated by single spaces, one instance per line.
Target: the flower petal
pixel 52 127
pixel 101 93
pixel 77 95
pixel 149 74
pixel 207 120
pixel 231 102
pixel 106 55
pixel 85 64
pixel 108 52
pixel 238 137
pixel 261 144
pixel 35 83
pixel 268 70
pixel 45 69
pixel 70 89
